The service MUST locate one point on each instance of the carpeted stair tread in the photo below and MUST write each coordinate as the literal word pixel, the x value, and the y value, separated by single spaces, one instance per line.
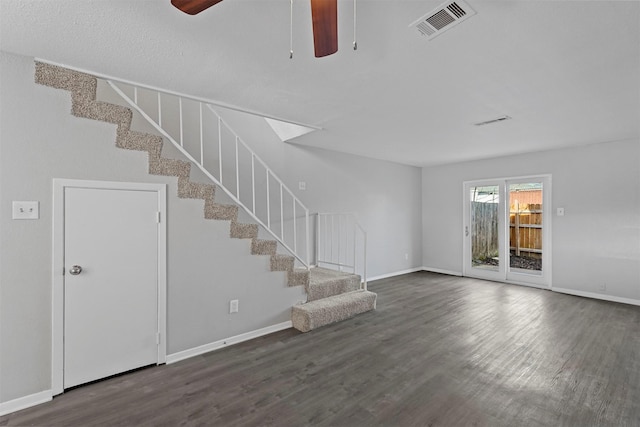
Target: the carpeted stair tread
pixel 240 230
pixel 139 141
pixel 220 211
pixel 298 277
pixel 264 247
pixel 314 314
pixel 81 86
pixel 195 190
pixel 169 167
pixel 104 111
pixel 281 262
pixel 324 283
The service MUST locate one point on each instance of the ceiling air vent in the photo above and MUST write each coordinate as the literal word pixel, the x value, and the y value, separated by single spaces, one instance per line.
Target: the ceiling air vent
pixel 444 17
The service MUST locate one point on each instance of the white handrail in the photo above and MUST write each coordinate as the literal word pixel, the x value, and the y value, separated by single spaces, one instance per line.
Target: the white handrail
pixel 346 238
pixel 233 193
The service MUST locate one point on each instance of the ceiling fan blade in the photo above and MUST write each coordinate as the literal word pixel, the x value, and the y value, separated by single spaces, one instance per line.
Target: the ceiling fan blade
pixel 324 14
pixel 193 7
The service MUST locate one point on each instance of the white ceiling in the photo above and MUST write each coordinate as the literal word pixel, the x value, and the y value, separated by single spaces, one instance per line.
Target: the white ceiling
pixel 567 72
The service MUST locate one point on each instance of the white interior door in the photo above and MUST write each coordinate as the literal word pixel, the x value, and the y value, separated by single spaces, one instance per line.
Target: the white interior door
pixel 111 305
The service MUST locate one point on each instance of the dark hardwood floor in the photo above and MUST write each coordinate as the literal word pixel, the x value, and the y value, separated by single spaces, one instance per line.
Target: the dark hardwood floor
pixel 438 351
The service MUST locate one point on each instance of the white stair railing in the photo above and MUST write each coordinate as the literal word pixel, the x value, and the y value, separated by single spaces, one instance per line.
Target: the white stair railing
pixel 341 243
pixel 194 127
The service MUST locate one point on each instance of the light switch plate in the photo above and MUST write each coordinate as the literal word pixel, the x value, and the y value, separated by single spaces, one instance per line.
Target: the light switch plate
pixel 560 211
pixel 26 210
pixel 233 306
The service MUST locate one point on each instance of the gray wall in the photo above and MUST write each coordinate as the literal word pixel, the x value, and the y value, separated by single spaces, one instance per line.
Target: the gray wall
pixel 596 242
pixel 40 140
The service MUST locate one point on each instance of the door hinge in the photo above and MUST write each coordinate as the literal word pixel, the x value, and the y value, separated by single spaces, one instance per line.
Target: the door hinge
pixel 158 338
pixel 158 217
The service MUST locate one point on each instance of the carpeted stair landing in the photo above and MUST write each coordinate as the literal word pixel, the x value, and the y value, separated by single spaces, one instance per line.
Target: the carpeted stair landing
pixel 332 296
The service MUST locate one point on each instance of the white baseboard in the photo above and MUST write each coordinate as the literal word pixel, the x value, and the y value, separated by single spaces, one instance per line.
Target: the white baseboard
pixel 25 402
pixel 196 351
pixel 397 273
pixel 594 295
pixel 441 271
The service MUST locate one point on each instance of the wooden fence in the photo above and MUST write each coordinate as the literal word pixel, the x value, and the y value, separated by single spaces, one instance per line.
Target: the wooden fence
pixel 484 230
pixel 525 230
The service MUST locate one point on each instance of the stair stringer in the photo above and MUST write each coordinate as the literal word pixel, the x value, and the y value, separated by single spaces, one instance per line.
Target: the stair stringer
pixel 83 89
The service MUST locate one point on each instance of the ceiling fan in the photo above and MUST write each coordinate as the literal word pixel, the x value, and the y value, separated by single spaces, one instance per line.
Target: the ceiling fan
pixel 324 14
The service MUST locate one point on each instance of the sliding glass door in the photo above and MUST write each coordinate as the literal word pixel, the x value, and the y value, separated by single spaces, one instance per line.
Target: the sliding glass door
pixel 507 230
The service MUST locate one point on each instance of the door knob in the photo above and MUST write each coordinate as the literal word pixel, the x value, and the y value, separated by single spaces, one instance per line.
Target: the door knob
pixel 75 270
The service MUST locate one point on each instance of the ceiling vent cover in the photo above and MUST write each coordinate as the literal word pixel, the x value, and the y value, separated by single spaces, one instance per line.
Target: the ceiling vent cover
pixel 442 18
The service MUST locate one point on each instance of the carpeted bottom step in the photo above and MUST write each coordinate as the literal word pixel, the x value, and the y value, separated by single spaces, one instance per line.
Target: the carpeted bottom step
pixel 314 314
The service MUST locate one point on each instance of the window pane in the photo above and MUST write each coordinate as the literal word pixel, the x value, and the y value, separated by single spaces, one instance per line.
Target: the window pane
pixel 484 227
pixel 525 227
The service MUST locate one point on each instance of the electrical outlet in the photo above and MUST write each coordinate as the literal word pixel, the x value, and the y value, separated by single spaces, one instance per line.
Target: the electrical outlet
pixel 302 185
pixel 602 287
pixel 233 306
pixel 406 257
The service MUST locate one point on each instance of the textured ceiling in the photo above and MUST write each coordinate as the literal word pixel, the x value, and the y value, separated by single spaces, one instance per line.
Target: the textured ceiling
pixel 567 72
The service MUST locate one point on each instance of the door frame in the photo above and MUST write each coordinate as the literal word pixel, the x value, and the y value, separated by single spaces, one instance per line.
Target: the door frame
pixel 57 297
pixel 545 280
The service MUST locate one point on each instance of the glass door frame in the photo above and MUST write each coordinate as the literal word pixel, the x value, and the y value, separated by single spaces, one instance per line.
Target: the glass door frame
pixel 505 273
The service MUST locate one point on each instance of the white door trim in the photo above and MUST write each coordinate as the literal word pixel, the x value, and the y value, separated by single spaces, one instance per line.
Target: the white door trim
pixel 57 296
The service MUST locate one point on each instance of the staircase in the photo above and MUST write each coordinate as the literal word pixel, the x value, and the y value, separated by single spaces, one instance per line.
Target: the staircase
pixel 332 296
